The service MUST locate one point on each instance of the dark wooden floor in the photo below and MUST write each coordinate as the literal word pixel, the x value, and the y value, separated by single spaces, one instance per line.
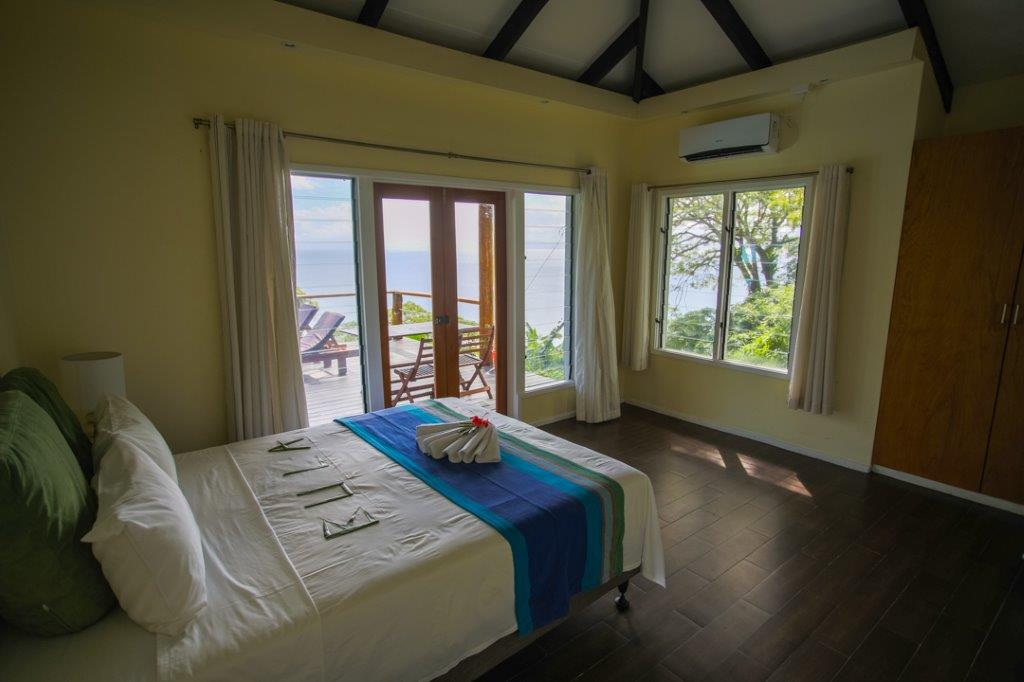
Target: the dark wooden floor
pixel 783 567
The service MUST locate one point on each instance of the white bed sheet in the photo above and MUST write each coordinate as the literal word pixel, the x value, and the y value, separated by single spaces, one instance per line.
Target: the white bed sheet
pixel 406 599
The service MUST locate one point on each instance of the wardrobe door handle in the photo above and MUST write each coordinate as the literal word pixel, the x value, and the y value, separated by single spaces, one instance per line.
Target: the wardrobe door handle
pixel 1002 316
pixel 1016 315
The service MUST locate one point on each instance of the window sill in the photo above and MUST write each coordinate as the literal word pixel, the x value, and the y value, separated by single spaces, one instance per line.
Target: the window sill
pixel 749 369
pixel 548 388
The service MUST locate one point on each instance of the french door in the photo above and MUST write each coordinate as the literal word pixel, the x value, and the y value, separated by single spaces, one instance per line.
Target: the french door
pixel 441 278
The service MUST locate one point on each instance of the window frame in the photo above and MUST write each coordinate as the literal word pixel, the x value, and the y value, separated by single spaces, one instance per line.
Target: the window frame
pixel 570 309
pixel 660 225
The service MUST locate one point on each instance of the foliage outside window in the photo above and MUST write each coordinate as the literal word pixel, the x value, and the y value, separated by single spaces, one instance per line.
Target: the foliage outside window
pixel 547 289
pixel 731 262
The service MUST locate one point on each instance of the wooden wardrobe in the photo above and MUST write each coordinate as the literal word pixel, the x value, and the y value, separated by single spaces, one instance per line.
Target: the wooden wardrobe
pixel 952 401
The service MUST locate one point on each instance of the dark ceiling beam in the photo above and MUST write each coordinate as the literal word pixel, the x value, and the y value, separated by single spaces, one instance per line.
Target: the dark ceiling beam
pixel 916 14
pixel 612 55
pixel 641 40
pixel 650 87
pixel 371 12
pixel 732 25
pixel 514 27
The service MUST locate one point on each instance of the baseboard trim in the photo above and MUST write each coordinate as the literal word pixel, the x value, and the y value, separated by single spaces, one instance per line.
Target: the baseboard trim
pixel 759 437
pixel 968 495
pixel 551 420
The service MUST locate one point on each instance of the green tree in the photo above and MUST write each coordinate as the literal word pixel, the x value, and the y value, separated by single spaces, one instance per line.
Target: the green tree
pixel 692 332
pixel 545 354
pixel 766 234
pixel 759 328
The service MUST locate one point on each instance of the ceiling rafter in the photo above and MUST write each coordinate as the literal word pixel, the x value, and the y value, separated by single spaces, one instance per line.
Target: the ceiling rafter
pixel 641 41
pixel 612 55
pixel 650 87
pixel 615 53
pixel 732 25
pixel 917 16
pixel 520 19
pixel 371 12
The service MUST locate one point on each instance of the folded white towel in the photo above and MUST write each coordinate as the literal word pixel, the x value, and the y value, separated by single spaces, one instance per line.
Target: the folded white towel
pixel 467 453
pixel 489 451
pixel 425 432
pixel 460 442
pixel 437 445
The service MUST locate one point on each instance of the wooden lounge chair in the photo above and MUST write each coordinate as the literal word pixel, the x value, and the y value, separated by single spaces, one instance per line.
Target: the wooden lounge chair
pixel 317 344
pixel 305 314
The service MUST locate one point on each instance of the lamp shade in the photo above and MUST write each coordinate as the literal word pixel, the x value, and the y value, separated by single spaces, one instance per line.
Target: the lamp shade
pixel 84 377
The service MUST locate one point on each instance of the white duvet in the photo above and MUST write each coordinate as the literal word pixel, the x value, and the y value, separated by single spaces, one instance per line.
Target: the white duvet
pixel 405 599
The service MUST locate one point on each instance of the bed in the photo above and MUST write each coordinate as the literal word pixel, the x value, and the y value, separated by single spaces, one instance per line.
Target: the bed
pixel 427 591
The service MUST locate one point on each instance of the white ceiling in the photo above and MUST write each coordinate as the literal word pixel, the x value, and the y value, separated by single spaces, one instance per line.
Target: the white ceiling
pixel 981 39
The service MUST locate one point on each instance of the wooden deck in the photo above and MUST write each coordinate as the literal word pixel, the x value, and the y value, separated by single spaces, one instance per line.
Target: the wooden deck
pixel 329 396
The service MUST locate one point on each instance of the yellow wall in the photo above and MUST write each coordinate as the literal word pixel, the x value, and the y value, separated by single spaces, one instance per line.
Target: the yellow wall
pixel 9 358
pixel 867 122
pixel 107 215
pixel 987 106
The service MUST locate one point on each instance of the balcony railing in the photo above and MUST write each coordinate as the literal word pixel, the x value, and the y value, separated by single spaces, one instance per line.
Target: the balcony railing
pixel 397 297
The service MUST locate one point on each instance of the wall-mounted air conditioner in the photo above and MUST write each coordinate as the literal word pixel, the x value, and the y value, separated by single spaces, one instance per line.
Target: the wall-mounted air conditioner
pixel 757 134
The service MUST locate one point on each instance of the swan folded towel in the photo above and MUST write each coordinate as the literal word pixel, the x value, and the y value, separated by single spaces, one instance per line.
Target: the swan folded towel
pixel 464 441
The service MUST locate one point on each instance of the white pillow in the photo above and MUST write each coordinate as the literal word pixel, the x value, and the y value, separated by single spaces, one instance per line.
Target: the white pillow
pixel 116 416
pixel 147 541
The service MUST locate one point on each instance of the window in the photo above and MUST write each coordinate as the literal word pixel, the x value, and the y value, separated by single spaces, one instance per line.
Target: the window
pixel 730 271
pixel 547 289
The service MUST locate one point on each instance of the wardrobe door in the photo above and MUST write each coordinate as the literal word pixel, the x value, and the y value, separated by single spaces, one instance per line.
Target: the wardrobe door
pixel 958 261
pixel 1004 467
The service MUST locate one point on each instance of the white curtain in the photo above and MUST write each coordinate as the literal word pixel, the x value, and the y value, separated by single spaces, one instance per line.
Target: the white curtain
pixel 256 252
pixel 636 307
pixel 812 375
pixel 594 357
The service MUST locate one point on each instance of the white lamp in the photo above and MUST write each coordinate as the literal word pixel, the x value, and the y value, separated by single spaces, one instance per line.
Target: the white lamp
pixel 84 377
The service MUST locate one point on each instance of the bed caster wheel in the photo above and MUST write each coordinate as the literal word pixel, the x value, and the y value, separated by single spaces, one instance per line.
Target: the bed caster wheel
pixel 621 602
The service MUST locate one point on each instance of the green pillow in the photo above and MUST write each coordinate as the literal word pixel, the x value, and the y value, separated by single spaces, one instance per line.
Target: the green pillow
pixel 50 582
pixel 32 383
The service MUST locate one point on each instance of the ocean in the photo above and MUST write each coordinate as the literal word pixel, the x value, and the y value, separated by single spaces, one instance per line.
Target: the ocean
pixel 329 268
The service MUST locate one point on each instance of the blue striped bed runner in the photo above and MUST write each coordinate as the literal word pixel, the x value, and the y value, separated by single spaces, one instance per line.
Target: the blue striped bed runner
pixel 562 521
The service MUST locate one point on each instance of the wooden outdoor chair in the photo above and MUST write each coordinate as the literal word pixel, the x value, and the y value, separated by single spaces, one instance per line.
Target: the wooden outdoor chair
pixel 475 346
pixel 416 378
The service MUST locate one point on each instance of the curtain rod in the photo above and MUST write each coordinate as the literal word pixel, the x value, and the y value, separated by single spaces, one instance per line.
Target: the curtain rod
pixel 205 122
pixel 763 177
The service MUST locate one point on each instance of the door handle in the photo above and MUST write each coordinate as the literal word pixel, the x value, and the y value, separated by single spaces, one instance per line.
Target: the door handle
pixel 1002 316
pixel 441 319
pixel 1016 315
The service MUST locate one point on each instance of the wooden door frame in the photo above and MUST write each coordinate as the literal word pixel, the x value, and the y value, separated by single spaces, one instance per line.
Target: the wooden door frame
pixel 444 295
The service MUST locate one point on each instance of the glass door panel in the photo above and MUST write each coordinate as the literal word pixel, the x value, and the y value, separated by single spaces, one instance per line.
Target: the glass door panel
pixel 477 288
pixel 407 226
pixel 327 307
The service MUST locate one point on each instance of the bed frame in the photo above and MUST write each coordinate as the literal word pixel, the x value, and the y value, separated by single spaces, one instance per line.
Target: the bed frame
pixel 476 665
